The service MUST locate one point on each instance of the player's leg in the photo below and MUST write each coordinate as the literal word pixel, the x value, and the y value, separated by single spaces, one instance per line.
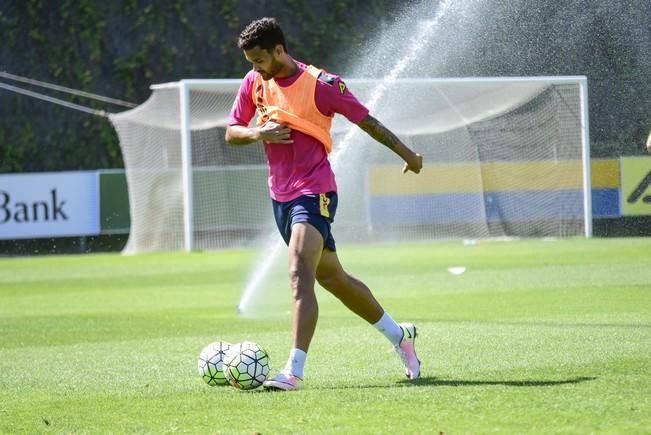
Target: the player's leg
pixel 352 292
pixel 360 300
pixel 304 253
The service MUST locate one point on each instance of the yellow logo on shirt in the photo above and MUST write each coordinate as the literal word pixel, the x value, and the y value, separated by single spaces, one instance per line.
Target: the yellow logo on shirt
pixel 324 203
pixel 342 87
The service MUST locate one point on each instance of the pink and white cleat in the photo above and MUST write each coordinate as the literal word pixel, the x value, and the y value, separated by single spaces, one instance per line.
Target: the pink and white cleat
pixel 284 381
pixel 407 351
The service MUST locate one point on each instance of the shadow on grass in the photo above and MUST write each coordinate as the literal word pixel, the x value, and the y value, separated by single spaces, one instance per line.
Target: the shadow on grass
pixel 550 324
pixel 429 381
pixel 433 381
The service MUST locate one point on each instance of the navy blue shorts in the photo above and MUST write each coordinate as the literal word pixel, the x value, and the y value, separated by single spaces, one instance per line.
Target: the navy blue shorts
pixel 318 210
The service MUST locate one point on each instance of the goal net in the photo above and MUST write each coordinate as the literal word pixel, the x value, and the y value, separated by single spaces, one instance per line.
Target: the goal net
pixel 503 157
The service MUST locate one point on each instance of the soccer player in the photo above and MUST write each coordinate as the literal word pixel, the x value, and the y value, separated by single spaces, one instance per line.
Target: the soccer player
pixel 648 143
pixel 295 104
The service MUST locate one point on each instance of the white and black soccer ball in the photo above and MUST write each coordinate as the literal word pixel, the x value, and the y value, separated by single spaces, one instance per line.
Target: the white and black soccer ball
pixel 246 365
pixel 210 363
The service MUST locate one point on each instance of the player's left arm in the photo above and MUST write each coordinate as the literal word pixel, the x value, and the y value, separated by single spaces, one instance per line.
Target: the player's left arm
pixel 375 129
pixel 333 96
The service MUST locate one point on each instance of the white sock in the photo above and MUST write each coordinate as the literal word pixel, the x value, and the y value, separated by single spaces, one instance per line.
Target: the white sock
pixel 387 326
pixel 296 362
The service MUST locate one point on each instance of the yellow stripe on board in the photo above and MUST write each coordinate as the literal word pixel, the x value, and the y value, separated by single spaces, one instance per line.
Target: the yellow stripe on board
pixel 491 177
pixel 501 177
pixel 389 180
pixel 604 174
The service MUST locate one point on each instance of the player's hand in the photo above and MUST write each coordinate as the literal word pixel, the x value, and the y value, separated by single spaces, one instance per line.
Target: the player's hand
pixel 273 132
pixel 415 164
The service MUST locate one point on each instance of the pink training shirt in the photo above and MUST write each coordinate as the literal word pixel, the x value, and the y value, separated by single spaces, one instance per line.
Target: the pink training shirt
pixel 301 167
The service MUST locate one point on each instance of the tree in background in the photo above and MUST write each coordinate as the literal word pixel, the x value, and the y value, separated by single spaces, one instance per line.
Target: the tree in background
pixel 119 48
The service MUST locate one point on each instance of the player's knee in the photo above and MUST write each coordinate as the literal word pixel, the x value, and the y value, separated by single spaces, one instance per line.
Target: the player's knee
pixel 301 282
pixel 331 282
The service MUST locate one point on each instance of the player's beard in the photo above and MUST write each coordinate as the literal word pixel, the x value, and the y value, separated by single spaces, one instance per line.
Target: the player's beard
pixel 274 69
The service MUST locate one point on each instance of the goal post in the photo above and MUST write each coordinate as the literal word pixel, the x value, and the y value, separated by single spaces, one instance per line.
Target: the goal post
pixel 184 88
pixel 186 162
pixel 504 157
pixel 585 156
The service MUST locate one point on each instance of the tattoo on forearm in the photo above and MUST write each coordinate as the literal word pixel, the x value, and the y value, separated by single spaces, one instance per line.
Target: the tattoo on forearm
pixel 380 133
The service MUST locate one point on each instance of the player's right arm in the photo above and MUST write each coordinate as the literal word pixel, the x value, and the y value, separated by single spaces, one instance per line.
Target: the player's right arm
pixel 238 131
pixel 268 132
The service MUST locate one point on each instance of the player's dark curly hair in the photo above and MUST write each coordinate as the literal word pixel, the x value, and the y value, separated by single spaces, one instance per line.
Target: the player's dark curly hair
pixel 264 32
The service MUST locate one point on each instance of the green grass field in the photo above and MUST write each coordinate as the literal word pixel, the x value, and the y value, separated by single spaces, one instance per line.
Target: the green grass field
pixel 535 337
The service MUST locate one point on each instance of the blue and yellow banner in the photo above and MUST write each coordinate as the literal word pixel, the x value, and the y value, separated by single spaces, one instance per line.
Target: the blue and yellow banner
pixel 492 191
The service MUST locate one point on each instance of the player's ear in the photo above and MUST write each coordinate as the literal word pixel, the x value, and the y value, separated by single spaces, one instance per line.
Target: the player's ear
pixel 279 50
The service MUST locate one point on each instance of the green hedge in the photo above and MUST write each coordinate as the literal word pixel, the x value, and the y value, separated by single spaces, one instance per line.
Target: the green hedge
pixel 118 48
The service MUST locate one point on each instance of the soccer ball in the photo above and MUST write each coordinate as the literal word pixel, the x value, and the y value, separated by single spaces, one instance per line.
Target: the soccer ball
pixel 210 363
pixel 246 365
